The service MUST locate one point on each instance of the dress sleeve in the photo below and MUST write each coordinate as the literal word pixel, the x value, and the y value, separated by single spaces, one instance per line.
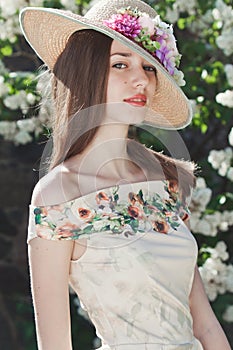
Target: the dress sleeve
pixel 175 195
pixel 184 212
pixel 183 207
pixel 40 223
pixel 53 222
pixel 31 225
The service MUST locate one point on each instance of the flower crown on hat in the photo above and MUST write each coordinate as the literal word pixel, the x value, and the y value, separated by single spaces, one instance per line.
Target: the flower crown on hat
pixel 154 35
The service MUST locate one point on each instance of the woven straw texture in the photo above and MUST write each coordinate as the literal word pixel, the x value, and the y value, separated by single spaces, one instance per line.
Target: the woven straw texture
pixel 48 30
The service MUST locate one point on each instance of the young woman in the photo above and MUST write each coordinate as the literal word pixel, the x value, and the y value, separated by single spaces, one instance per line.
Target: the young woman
pixel 108 217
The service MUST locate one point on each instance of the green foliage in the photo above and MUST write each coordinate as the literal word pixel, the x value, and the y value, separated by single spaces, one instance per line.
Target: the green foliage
pixel 6 50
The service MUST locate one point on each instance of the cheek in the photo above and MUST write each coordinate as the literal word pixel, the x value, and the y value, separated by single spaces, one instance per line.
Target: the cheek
pixel 114 88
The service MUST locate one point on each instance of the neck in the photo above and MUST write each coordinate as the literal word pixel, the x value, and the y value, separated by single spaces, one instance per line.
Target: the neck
pixel 106 156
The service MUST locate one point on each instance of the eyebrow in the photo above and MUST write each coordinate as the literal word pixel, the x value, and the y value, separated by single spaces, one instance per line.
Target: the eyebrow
pixel 124 54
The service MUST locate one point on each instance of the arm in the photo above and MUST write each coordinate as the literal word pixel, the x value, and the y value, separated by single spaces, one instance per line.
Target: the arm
pixel 49 269
pixel 205 324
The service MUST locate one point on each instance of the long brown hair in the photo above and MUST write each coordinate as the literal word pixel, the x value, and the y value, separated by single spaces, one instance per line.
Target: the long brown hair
pixel 79 82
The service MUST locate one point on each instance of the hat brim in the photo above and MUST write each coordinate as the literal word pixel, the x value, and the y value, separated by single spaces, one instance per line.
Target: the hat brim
pixel 47 32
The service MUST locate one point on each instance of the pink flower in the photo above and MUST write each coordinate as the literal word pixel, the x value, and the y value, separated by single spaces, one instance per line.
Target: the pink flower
pixel 125 24
pixel 85 214
pixel 160 226
pixel 147 23
pixel 44 231
pixel 65 230
pixel 134 198
pixel 102 197
pixel 135 212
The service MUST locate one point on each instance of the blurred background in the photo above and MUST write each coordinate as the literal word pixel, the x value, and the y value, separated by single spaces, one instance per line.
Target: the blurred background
pixel 204 30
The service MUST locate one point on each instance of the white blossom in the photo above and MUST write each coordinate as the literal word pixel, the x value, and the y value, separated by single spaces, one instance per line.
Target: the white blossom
pixel 225 98
pixel 30 98
pixel 43 116
pixel 194 106
pixel 201 196
pixel 27 125
pixel 202 222
pixel 202 23
pixel 11 102
pixel 194 219
pixel 210 224
pixel 201 183
pixel 224 41
pixel 17 101
pixel 69 4
pixel 9 24
pixel 186 6
pixel 179 77
pixel 172 15
pixel 230 174
pixel 223 226
pixel 3 87
pixel 230 137
pixel 7 129
pixel 224 13
pixel 220 251
pixel 180 6
pixel 18 131
pixel 205 227
pixel 228 314
pixel 229 278
pixel 9 28
pixel 217 276
pixel 229 73
pixel 22 137
pixel 10 7
pixel 221 160
pixel 36 2
pixel 214 219
pixel 227 217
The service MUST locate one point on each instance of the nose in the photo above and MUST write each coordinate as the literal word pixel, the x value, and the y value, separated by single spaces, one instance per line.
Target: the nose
pixel 140 77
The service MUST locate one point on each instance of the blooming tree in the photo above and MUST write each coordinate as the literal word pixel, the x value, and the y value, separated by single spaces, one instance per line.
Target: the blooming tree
pixel 205 31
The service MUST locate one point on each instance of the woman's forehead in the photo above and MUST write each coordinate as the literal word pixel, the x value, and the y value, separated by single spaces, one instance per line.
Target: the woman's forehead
pixel 116 45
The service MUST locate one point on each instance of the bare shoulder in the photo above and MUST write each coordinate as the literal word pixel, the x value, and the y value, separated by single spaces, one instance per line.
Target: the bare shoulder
pixel 54 188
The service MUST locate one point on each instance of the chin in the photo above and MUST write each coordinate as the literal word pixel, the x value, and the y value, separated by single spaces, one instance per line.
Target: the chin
pixel 125 113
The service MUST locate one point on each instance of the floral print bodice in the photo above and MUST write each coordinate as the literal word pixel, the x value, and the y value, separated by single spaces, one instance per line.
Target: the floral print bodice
pixel 135 275
pixel 108 210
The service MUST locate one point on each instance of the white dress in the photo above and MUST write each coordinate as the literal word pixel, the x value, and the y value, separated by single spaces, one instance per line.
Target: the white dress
pixel 135 276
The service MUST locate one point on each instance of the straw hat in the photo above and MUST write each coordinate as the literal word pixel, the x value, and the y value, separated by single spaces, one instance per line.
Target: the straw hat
pixel 134 24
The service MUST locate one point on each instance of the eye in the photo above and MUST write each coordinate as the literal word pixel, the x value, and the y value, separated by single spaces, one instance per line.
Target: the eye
pixel 149 68
pixel 119 65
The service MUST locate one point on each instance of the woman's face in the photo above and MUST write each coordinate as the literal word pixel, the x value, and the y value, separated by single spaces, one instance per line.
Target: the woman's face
pixel 131 82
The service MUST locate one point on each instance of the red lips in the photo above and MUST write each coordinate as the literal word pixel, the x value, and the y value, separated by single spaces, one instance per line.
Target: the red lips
pixel 138 100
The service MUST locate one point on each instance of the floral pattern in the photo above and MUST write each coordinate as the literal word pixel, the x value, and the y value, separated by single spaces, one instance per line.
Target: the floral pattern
pixel 154 35
pixel 141 212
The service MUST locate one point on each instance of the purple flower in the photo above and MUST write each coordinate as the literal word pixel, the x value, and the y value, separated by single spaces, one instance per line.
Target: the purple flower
pixel 166 52
pixel 165 57
pixel 124 24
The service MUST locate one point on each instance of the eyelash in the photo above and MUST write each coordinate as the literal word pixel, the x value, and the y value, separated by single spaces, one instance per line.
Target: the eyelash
pixel 119 64
pixel 147 68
